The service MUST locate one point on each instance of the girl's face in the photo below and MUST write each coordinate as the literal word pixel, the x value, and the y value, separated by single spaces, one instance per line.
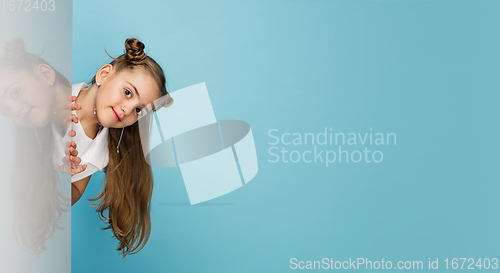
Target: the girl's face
pixel 27 98
pixel 122 97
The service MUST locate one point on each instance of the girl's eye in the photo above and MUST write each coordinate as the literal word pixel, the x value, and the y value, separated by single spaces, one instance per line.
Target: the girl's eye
pixel 138 111
pixel 15 93
pixel 128 93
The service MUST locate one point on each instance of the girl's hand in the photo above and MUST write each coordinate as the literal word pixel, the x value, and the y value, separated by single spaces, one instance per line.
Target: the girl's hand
pixel 72 160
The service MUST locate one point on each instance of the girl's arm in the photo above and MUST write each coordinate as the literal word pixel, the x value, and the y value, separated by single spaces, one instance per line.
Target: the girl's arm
pixel 77 189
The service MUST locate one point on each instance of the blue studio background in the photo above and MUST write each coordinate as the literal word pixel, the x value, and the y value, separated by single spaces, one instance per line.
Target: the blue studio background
pixel 424 70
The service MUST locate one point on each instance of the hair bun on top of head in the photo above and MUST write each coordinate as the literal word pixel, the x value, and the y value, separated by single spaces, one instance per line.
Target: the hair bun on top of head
pixel 14 48
pixel 134 50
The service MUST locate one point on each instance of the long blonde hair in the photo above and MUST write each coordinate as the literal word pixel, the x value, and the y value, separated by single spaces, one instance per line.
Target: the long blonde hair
pixel 128 186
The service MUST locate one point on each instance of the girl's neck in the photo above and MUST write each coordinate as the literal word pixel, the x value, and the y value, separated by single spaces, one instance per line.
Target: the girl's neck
pixel 86 116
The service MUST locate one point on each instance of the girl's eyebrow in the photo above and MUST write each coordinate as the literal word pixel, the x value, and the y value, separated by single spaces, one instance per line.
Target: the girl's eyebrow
pixel 135 89
pixel 137 92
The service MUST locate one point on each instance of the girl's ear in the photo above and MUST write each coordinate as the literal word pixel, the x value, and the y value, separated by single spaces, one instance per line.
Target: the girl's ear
pixel 47 73
pixel 104 72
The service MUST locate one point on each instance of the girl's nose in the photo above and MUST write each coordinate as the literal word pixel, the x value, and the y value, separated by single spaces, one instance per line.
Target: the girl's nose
pixel 127 109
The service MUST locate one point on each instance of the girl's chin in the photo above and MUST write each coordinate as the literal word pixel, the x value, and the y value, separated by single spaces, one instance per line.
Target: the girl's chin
pixel 106 124
pixel 113 125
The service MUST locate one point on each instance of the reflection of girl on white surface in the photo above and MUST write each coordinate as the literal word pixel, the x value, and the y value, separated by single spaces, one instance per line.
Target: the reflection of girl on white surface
pixel 34 96
pixel 120 94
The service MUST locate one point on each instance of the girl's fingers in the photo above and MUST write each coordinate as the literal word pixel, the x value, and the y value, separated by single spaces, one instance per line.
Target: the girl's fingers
pixel 70 147
pixel 75 161
pixel 66 150
pixel 71 159
pixel 71 171
pixel 63 169
pixel 73 151
pixel 72 118
pixel 66 106
pixel 78 170
pixel 75 106
pixel 66 160
pixel 72 106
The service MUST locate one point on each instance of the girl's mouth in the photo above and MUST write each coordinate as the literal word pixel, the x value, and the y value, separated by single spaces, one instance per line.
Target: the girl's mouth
pixel 117 117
